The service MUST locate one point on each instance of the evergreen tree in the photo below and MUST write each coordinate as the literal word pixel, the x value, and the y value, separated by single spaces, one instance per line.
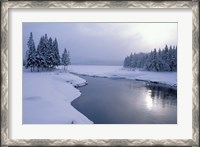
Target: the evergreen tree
pixel 154 61
pixel 161 60
pixel 132 60
pixel 173 62
pixel 46 49
pixel 40 54
pixel 38 60
pixel 149 65
pixel 127 62
pixel 31 53
pixel 65 58
pixel 165 59
pixel 46 55
pixel 50 58
pixel 56 52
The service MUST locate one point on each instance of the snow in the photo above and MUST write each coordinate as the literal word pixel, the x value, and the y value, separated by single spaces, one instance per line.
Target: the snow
pixel 167 78
pixel 47 98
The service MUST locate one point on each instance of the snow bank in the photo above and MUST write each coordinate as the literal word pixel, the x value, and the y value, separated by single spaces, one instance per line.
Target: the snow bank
pixel 167 78
pixel 47 98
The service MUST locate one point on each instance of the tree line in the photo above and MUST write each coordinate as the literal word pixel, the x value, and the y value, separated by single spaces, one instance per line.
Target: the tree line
pixel 162 60
pixel 46 55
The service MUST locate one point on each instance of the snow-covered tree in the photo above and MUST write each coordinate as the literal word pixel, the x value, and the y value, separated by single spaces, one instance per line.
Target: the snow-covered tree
pixel 65 58
pixel 46 49
pixel 47 54
pixel 31 53
pixel 50 58
pixel 173 60
pixel 56 53
pixel 126 62
pixel 41 53
pixel 39 61
pixel 161 60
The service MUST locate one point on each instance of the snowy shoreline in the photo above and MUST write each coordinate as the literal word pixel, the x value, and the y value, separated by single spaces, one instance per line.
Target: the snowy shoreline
pixel 163 79
pixel 47 98
pixel 148 82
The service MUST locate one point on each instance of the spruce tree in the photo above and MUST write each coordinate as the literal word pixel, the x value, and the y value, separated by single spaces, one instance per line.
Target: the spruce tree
pixel 41 54
pixel 46 49
pixel 46 56
pixel 65 58
pixel 161 60
pixel 56 53
pixel 31 53
pixel 50 58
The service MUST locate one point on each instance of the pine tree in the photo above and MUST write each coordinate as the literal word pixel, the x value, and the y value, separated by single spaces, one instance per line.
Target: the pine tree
pixel 132 62
pixel 38 60
pixel 169 59
pixel 126 62
pixel 31 53
pixel 165 58
pixel 56 53
pixel 46 49
pixel 149 65
pixel 41 54
pixel 154 61
pixel 161 60
pixel 50 58
pixel 46 56
pixel 173 62
pixel 65 58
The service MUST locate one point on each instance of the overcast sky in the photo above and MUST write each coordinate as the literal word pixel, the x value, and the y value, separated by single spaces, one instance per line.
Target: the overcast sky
pixel 103 43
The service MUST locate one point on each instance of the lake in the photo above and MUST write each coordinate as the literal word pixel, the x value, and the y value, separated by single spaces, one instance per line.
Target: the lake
pixel 121 101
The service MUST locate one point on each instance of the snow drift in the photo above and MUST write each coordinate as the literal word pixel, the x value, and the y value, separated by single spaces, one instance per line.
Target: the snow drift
pixel 47 98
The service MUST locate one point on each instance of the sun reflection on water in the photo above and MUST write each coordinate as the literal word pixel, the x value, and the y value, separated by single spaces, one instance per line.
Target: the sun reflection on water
pixel 149 101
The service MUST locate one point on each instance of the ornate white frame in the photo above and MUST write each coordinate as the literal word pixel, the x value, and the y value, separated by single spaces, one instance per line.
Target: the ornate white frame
pixel 5 5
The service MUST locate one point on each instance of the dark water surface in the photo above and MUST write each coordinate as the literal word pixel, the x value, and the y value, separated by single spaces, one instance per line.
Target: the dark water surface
pixel 120 101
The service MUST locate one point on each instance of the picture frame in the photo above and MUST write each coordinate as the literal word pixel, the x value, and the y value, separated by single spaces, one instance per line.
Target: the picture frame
pixel 6 5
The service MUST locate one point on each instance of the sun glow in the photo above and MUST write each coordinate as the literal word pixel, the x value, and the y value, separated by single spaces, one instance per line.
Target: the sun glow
pixel 149 101
pixel 154 35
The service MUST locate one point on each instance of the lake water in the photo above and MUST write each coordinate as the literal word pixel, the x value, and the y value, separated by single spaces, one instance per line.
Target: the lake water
pixel 120 101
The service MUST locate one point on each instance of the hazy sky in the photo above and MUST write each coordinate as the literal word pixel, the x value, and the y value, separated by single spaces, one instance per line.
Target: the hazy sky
pixel 103 43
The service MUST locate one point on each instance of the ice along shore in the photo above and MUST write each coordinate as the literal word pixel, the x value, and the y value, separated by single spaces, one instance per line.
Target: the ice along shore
pixel 168 79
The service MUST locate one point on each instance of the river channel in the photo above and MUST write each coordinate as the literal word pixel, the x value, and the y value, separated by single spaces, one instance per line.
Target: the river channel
pixel 121 101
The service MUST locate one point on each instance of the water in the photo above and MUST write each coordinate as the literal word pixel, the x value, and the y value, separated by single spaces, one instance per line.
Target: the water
pixel 120 101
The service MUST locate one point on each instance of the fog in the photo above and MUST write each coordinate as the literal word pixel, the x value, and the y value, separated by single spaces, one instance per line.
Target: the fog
pixel 103 43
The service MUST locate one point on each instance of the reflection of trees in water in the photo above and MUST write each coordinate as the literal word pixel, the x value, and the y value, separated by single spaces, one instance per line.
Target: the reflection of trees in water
pixel 166 96
pixel 134 84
